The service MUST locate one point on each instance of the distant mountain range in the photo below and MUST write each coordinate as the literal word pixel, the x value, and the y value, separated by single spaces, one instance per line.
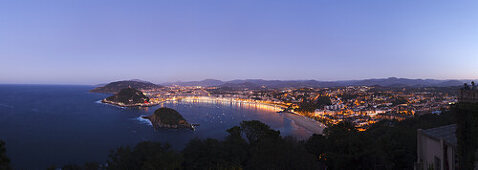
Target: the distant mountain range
pixel 116 86
pixel 206 83
pixel 385 82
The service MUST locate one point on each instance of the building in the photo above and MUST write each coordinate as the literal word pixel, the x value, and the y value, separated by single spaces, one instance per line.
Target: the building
pixel 436 148
pixel 334 107
pixel 453 146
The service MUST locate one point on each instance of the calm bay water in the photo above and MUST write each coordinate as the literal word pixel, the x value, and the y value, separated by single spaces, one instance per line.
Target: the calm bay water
pixel 46 125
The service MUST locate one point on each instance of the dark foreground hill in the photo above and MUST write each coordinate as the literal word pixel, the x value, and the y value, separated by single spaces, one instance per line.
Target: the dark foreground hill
pixel 115 87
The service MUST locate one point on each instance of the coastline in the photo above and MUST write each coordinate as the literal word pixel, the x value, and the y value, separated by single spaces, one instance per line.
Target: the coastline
pixel 313 126
pixel 129 105
pixel 269 106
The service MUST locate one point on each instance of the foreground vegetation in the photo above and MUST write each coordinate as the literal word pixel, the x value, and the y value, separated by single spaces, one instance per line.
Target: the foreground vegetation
pixel 254 145
pixel 4 161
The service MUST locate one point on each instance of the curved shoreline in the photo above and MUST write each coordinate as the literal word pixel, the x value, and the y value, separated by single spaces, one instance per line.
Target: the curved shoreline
pixel 304 122
pixel 271 106
pixel 310 125
pixel 129 105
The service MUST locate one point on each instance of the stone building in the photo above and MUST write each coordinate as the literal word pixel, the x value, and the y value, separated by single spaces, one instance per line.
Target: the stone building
pixel 436 148
pixel 453 146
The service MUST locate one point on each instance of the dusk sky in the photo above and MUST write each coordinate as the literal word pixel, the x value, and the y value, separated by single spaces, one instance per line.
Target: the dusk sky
pixel 98 41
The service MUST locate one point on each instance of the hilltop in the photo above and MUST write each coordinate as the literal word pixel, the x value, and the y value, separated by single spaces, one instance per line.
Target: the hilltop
pixel 115 87
pixel 127 97
pixel 205 83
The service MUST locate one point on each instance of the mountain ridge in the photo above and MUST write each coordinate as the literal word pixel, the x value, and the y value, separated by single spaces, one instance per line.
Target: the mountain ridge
pixel 386 82
pixel 116 86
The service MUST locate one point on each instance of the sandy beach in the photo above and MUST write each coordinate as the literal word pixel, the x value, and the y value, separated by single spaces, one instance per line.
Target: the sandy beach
pixel 308 124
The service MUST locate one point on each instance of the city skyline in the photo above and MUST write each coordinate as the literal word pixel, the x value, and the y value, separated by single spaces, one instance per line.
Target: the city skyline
pixel 90 42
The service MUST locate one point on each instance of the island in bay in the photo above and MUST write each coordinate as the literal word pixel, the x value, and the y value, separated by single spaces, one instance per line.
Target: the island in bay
pixel 128 97
pixel 168 118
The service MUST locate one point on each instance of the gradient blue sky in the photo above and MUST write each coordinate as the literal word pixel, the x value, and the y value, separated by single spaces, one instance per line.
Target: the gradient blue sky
pixel 96 41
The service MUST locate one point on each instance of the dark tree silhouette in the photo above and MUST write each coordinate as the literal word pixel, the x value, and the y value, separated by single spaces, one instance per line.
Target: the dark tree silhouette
pixel 4 161
pixel 145 155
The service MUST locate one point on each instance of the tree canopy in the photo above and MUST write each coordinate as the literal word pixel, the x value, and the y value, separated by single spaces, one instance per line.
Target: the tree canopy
pixel 4 161
pixel 262 148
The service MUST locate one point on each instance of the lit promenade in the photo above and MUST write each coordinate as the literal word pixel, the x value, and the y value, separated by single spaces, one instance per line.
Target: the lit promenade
pixel 309 125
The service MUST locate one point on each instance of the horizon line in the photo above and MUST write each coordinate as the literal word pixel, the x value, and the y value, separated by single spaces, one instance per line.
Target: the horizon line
pixel 183 81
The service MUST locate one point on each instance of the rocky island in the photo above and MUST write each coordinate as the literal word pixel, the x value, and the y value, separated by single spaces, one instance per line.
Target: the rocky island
pixel 128 97
pixel 168 118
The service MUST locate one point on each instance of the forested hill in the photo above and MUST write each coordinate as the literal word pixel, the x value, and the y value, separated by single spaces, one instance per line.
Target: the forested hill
pixel 127 96
pixel 115 87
